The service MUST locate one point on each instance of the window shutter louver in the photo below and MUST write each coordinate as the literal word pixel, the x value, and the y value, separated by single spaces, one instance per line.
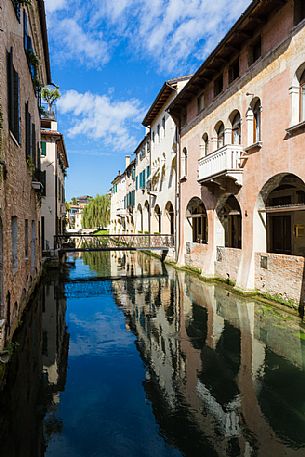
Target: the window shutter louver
pixel 25 30
pixel 17 124
pixel 34 155
pixel 10 86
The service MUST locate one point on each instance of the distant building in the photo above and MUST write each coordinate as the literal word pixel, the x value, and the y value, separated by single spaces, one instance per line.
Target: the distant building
pixel 54 164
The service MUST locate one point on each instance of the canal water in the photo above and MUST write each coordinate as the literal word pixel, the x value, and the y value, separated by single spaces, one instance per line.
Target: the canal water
pixel 120 355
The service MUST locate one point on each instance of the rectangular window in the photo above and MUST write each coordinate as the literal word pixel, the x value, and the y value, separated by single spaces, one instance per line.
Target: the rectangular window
pixel 14 229
pixel 158 132
pixel 137 182
pixel 43 148
pixel 13 86
pixel 200 103
pixel 25 31
pixel 218 85
pixel 234 70
pixel 33 146
pixel 255 50
pixel 28 131
pixel 26 238
pixel 148 171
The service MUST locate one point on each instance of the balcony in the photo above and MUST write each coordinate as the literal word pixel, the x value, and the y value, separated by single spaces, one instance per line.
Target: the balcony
pixel 223 163
pixel 46 113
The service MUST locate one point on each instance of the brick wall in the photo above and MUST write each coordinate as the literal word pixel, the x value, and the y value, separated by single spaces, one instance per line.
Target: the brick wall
pixel 227 263
pixel 280 274
pixel 194 255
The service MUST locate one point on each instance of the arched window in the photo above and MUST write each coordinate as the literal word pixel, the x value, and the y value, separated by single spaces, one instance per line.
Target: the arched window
pixel 197 218
pixel 302 97
pixel 157 221
pixel 236 130
pixel 220 131
pixel 169 210
pixel 257 121
pixel 205 144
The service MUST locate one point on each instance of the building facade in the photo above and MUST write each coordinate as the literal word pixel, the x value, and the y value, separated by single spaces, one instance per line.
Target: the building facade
pixel 24 67
pixel 142 198
pixel 242 169
pixel 54 164
pixel 117 206
pixel 162 182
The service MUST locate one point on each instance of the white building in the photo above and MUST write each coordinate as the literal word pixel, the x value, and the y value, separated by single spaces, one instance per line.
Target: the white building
pixel 162 183
pixel 54 164
pixel 117 210
pixel 142 172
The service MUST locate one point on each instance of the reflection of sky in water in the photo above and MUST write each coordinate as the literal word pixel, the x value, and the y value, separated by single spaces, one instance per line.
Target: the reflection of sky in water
pixel 104 408
pixel 228 376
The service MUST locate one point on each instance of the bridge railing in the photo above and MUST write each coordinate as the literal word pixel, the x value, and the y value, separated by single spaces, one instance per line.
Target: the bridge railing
pixel 77 241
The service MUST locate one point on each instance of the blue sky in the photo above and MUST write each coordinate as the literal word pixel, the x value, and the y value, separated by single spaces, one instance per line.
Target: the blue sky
pixel 110 58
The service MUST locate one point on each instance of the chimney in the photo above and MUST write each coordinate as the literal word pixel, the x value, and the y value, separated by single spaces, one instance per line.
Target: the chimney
pixel 127 161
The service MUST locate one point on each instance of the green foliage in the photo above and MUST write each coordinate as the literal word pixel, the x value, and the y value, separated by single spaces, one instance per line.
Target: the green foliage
pixel 102 232
pixel 73 201
pixel 97 212
pixel 50 95
pixel 98 262
pixel 32 58
pixel 30 164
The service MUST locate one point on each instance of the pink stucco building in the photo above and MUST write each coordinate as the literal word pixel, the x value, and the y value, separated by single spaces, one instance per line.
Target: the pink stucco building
pixel 241 119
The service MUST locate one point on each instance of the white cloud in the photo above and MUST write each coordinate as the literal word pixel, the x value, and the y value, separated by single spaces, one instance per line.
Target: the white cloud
pixel 173 34
pixel 100 117
pixel 88 48
pixel 54 5
pixel 171 31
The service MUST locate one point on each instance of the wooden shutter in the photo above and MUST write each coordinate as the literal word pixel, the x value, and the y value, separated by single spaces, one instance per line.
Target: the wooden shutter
pixel 34 155
pixel 25 30
pixel 10 87
pixel 17 130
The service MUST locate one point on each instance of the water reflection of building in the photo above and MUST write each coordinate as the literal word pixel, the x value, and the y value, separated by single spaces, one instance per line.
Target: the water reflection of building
pixel 20 415
pixel 220 369
pixel 36 374
pixel 55 338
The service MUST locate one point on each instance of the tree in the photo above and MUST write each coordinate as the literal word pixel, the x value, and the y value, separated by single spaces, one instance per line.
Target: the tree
pixel 50 96
pixel 74 201
pixel 97 213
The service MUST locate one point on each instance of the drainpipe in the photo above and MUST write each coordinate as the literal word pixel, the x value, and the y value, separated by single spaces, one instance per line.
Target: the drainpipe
pixel 177 192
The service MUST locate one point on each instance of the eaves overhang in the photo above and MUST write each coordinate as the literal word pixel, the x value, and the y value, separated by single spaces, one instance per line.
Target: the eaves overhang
pixel 244 29
pixel 165 92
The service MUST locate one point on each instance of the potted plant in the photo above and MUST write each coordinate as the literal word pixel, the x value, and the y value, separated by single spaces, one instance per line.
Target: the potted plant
pixel 50 95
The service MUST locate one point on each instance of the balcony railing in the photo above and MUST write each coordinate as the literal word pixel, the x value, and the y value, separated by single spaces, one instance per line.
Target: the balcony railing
pixel 46 112
pixel 223 162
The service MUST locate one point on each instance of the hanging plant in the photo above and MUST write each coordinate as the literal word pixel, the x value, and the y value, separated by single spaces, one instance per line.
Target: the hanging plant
pixel 30 165
pixel 32 58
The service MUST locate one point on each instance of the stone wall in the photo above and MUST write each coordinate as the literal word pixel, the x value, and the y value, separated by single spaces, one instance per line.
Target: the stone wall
pixel 227 262
pixel 280 274
pixel 194 254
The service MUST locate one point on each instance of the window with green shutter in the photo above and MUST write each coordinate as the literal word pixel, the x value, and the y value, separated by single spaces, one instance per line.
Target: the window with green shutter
pixel 43 148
